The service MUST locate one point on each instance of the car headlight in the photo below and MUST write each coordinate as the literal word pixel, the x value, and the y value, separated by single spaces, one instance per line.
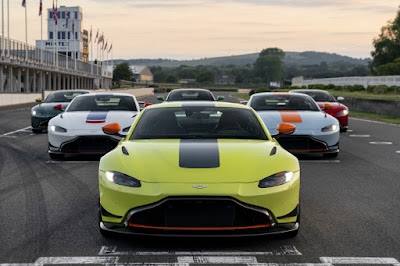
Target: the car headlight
pixel 34 113
pixel 276 179
pixel 57 129
pixel 122 179
pixel 343 112
pixel 329 128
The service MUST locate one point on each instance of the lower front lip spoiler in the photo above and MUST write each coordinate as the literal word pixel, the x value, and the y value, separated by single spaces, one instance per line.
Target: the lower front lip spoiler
pixel 276 230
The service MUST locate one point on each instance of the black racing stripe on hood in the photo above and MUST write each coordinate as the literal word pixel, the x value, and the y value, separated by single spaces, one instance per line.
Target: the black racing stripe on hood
pixel 199 153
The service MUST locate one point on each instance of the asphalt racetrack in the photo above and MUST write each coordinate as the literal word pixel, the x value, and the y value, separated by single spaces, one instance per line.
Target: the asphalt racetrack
pixel 350 208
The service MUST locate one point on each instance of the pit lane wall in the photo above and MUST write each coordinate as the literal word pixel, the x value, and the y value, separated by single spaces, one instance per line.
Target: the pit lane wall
pixel 7 99
pixel 375 106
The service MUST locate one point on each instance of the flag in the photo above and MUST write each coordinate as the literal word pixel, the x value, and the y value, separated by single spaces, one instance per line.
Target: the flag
pixel 24 3
pixel 40 8
pixel 90 36
pixel 110 48
pixel 97 35
pixel 66 19
pixel 105 47
pixel 54 14
pixel 73 26
pixel 101 39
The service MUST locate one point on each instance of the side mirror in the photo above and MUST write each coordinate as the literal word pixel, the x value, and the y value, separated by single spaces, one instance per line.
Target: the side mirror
pixel 112 129
pixel 340 99
pixel 38 100
pixel 286 129
pixel 220 98
pixel 160 98
pixel 58 107
pixel 147 104
pixel 327 106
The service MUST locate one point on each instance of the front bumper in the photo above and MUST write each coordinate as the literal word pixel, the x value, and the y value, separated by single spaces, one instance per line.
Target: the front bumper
pixel 40 122
pixel 85 145
pixel 305 144
pixel 199 216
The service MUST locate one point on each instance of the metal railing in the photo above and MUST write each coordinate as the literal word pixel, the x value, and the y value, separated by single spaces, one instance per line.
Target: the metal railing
pixel 18 50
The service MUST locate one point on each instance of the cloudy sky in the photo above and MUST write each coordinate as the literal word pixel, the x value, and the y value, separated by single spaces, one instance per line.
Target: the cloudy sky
pixel 186 29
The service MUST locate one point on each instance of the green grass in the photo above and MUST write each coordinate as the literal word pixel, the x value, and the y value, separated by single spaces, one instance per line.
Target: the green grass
pixel 244 96
pixel 393 119
pixel 365 95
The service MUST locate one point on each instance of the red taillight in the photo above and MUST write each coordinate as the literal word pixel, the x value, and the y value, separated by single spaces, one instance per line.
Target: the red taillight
pixel 58 107
pixel 148 104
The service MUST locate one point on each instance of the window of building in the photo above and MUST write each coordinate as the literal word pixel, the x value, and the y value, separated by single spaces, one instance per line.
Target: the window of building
pixel 63 15
pixel 76 15
pixel 69 35
pixel 63 35
pixel 76 36
pixel 50 14
pixel 51 35
pixel 59 35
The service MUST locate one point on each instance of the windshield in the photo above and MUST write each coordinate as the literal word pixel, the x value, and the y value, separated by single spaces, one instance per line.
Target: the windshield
pixel 190 95
pixel 63 96
pixel 102 103
pixel 198 122
pixel 319 96
pixel 283 102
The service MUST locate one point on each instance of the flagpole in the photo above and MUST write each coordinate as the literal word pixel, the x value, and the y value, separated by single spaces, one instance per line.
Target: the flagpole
pixel 8 26
pixel 41 33
pixel 2 34
pixel 67 56
pixel 57 34
pixel 91 47
pixel 26 30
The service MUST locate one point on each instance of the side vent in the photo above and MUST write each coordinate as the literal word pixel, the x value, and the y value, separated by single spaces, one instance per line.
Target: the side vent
pixel 273 151
pixel 125 151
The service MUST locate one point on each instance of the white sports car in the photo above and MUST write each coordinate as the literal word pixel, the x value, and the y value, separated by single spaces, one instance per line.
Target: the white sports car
pixel 316 131
pixel 79 129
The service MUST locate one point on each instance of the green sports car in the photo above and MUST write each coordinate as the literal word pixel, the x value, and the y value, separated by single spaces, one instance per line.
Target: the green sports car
pixel 199 169
pixel 55 103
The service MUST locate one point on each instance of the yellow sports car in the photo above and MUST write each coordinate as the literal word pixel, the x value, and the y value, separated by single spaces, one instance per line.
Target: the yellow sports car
pixel 199 169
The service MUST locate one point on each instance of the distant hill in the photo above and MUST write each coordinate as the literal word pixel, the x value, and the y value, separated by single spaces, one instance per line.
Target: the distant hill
pixel 291 58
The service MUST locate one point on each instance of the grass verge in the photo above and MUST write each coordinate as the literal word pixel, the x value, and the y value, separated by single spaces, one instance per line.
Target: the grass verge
pixel 393 119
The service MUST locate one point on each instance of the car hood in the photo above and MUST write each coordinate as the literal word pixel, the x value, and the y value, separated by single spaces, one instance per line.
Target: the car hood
pixel 48 108
pixel 93 120
pixel 303 120
pixel 195 161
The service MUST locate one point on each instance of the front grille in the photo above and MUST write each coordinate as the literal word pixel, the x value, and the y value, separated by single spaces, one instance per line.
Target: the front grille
pixel 198 214
pixel 295 143
pixel 44 124
pixel 95 144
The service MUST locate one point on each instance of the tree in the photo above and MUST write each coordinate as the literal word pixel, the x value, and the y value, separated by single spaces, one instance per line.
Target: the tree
pixel 207 76
pixel 273 51
pixel 269 67
pixel 171 79
pixel 387 45
pixel 122 71
pixel 159 75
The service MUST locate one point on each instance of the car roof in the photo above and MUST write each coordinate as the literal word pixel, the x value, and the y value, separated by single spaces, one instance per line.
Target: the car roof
pixel 198 104
pixel 106 94
pixel 190 89
pixel 70 91
pixel 308 90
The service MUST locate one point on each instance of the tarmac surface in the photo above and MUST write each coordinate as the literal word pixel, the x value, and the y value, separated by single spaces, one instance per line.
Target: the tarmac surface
pixel 350 208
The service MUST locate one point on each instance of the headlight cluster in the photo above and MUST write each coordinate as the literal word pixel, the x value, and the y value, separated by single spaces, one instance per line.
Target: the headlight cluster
pixel 329 128
pixel 57 129
pixel 122 179
pixel 34 113
pixel 343 112
pixel 276 180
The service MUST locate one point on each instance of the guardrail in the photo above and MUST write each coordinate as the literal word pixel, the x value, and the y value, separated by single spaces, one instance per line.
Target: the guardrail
pixel 20 51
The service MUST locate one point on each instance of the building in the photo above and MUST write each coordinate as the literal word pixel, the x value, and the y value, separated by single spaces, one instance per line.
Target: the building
pixel 76 42
pixel 142 74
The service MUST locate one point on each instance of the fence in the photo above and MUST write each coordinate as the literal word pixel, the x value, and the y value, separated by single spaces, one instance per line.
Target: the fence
pixel 20 51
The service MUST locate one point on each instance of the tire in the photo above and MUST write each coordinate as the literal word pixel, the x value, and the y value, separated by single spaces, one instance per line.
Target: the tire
pixel 56 156
pixel 331 155
pixel 36 130
pixel 343 130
